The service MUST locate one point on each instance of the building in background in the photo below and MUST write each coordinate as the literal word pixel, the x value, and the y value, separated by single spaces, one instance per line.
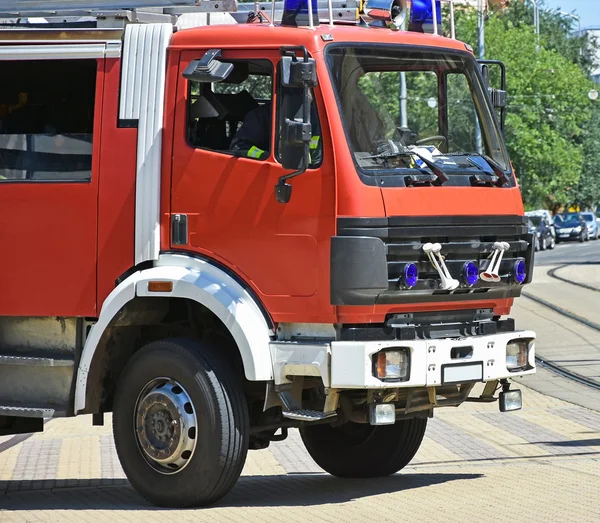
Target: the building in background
pixel 595 32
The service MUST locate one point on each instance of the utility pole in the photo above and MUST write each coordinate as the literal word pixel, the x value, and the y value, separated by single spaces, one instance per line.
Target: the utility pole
pixel 481 53
pixel 403 104
pixel 536 22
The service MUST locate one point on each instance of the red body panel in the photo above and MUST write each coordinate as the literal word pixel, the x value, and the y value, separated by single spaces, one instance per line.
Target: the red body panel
pixel 116 198
pixel 68 242
pixel 282 251
pixel 48 238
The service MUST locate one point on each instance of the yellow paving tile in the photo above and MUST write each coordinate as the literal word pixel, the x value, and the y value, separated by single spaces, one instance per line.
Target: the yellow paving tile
pixel 80 458
pixel 493 436
pixel 432 452
pixel 571 430
pixel 261 463
pixel 8 461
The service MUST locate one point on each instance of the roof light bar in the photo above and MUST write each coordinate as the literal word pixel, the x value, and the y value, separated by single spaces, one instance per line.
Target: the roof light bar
pixel 297 13
pixel 422 16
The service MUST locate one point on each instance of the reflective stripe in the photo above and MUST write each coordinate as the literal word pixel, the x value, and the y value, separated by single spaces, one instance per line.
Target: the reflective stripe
pixel 255 152
pixel 314 142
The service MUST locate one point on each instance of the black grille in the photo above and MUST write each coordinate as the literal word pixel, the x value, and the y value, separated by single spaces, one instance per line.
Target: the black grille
pixel 463 239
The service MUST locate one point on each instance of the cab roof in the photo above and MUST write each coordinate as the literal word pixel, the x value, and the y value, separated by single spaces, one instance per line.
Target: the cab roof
pixel 261 36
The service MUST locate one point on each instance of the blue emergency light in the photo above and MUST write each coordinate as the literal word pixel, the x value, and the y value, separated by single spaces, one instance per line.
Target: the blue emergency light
pixel 295 13
pixel 421 16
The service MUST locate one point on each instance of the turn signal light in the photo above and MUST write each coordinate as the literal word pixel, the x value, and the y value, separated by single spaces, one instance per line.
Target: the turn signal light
pixel 160 286
pixel 517 352
pixel 392 364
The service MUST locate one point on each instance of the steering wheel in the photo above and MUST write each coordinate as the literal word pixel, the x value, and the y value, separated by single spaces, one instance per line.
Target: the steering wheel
pixel 436 138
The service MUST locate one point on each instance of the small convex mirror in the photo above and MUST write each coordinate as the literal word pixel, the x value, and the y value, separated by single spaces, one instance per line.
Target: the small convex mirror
pixel 298 74
pixel 208 69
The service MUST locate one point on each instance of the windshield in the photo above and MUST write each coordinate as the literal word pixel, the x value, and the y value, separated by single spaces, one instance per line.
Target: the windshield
pixel 568 220
pixel 588 217
pixel 536 220
pixel 398 99
pixel 562 218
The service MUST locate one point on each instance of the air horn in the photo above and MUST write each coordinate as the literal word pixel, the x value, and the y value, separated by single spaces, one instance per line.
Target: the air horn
pixel 492 272
pixel 448 282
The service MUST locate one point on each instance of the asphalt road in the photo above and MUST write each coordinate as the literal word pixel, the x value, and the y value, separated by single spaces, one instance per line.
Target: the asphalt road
pixel 572 252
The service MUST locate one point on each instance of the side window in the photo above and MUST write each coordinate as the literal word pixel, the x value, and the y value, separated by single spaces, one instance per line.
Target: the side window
pixel 233 116
pixel 47 120
pixel 290 106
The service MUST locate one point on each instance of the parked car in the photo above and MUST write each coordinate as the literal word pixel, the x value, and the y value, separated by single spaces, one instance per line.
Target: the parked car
pixel 592 225
pixel 547 214
pixel 543 232
pixel 571 226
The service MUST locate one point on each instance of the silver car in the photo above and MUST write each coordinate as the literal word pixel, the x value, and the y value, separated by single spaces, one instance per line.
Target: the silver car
pixel 592 224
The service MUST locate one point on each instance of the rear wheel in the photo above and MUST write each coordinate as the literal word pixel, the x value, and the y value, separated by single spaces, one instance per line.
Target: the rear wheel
pixel 180 424
pixel 361 450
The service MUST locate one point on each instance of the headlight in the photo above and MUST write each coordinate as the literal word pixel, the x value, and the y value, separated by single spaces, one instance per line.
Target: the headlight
pixel 391 364
pixel 577 229
pixel 517 352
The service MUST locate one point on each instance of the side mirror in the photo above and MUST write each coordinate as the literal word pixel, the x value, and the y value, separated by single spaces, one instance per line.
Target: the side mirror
pixel 295 134
pixel 208 69
pixel 498 96
pixel 298 74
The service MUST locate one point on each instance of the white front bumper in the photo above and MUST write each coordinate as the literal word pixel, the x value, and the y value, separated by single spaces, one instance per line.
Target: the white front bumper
pixel 349 365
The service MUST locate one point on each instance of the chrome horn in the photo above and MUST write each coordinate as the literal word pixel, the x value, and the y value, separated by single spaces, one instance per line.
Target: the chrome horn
pixel 384 12
pixel 448 282
pixel 491 274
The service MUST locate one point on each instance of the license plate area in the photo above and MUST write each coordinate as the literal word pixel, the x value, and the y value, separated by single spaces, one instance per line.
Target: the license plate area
pixel 462 372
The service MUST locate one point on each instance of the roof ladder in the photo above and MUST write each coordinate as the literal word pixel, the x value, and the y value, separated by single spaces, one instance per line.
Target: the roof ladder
pixel 108 11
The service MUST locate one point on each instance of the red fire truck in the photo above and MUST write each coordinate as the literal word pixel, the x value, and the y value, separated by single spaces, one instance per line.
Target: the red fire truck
pixel 220 222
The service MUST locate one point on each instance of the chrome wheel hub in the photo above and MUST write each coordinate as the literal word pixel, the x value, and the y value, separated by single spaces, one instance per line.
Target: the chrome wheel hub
pixel 165 425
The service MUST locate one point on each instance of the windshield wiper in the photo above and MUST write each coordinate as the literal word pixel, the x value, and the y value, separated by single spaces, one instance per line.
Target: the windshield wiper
pixel 501 177
pixel 440 176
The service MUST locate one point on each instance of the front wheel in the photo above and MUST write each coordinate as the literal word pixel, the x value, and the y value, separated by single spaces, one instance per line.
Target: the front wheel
pixel 360 450
pixel 180 424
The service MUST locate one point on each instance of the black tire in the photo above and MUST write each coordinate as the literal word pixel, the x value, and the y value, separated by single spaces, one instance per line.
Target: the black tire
pixel 581 238
pixel 543 248
pixel 360 450
pixel 222 427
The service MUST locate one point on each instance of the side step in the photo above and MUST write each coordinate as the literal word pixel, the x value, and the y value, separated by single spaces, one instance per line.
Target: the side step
pixel 29 412
pixel 296 412
pixel 35 383
pixel 34 361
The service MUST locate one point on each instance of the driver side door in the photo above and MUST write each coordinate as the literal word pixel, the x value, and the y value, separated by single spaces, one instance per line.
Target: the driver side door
pixel 228 197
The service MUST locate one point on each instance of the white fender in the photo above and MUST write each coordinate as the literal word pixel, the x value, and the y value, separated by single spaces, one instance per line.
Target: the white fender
pixel 200 281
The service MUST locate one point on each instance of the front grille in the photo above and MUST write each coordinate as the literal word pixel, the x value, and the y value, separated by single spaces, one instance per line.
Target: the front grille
pixel 463 239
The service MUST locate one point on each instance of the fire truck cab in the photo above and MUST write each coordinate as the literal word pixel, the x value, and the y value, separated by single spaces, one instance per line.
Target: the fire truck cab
pixel 221 222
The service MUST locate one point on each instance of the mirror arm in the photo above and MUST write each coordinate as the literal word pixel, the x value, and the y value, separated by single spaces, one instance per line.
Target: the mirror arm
pixel 283 190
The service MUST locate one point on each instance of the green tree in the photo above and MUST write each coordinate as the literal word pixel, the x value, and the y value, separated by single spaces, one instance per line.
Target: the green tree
pixel 586 193
pixel 548 105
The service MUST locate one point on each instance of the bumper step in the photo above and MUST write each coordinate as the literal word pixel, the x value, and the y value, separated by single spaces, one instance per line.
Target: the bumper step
pixel 29 412
pixel 296 412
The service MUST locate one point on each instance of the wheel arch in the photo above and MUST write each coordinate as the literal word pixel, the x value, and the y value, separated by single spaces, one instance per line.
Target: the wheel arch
pixel 194 281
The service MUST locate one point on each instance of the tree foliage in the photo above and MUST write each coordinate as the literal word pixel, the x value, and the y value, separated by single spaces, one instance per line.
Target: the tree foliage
pixel 549 110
